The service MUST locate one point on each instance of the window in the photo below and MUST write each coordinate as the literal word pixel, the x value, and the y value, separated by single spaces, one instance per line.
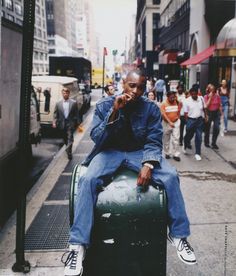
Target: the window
pixel 39 33
pixel 19 21
pixel 51 51
pixel 36 54
pixel 18 9
pixel 37 9
pixel 155 18
pixel 9 4
pixel 51 42
pixel 156 2
pixel 10 17
pixel 38 21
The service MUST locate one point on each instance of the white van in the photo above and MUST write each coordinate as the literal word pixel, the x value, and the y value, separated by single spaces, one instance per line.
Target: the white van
pixel 48 90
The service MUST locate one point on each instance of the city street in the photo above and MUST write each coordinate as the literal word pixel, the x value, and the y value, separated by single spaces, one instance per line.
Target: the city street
pixel 208 187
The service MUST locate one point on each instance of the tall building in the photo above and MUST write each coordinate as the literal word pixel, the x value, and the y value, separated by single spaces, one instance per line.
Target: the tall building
pixel 13 11
pixel 40 53
pixel 81 29
pixel 174 38
pixel 61 27
pixel 147 34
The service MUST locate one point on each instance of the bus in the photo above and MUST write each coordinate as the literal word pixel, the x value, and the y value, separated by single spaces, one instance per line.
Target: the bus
pixel 97 78
pixel 76 67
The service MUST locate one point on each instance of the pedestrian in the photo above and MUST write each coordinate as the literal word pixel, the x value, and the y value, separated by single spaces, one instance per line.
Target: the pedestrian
pixel 151 95
pixel 160 88
pixel 214 111
pixel 195 114
pixel 66 119
pixel 127 132
pixel 47 95
pixel 149 85
pixel 170 110
pixel 109 90
pixel 224 93
pixel 181 96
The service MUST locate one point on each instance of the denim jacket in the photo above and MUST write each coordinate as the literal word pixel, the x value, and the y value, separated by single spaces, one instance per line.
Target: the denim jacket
pixel 146 125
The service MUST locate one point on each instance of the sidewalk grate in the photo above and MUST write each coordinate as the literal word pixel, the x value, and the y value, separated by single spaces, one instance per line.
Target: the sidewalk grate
pixel 49 229
pixel 61 189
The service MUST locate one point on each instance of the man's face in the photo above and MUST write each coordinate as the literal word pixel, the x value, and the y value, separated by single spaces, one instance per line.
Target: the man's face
pixel 180 90
pixel 134 86
pixel 194 95
pixel 65 94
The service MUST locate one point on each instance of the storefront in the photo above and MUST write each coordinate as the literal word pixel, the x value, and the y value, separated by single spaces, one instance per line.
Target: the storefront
pixel 225 56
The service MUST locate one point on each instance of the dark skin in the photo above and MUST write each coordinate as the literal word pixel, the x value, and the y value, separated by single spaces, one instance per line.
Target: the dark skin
pixel 134 86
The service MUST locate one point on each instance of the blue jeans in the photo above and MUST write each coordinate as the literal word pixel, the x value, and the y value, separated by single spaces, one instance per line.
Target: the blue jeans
pixel 194 126
pixel 225 108
pixel 102 166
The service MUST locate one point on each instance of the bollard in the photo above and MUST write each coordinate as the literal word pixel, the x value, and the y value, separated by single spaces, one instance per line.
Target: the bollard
pixel 130 228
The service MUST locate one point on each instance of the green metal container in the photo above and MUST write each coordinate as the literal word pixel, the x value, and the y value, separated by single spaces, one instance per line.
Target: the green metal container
pixel 129 235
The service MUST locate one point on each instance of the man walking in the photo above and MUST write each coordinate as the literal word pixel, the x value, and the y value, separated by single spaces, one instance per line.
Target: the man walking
pixel 160 88
pixel 66 119
pixel 194 111
pixel 127 132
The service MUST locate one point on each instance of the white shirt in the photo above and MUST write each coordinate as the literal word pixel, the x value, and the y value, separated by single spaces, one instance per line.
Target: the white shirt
pixel 194 108
pixel 181 99
pixel 66 108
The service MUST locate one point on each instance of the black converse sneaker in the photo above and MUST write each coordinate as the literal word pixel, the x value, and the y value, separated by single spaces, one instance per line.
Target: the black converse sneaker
pixel 184 251
pixel 73 262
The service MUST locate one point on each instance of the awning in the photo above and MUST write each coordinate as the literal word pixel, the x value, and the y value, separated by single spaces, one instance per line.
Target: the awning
pixel 226 40
pixel 198 58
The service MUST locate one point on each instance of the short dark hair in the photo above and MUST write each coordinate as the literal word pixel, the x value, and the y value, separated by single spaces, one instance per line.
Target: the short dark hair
pixel 168 93
pixel 193 89
pixel 106 88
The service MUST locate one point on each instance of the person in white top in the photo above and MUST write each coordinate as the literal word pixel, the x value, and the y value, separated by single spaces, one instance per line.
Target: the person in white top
pixel 194 111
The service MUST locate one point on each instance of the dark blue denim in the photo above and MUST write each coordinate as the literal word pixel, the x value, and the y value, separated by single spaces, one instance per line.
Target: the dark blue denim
pixel 194 126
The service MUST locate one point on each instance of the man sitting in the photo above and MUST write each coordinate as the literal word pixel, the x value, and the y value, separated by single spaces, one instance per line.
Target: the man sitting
pixel 127 132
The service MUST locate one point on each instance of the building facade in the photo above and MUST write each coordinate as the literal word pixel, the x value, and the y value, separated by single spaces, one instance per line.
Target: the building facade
pixel 147 35
pixel 61 27
pixel 13 10
pixel 40 53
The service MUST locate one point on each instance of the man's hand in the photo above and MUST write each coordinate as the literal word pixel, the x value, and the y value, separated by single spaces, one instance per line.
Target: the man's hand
pixel 172 124
pixel 121 101
pixel 144 176
pixel 54 125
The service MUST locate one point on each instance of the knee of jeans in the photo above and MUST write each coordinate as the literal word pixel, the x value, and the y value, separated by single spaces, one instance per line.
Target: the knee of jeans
pixel 90 181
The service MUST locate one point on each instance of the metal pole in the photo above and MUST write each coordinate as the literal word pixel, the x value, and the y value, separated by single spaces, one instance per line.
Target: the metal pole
pixel 103 73
pixel 21 265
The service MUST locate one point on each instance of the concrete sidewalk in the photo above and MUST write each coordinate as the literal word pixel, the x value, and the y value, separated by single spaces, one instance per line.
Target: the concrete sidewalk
pixel 209 189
